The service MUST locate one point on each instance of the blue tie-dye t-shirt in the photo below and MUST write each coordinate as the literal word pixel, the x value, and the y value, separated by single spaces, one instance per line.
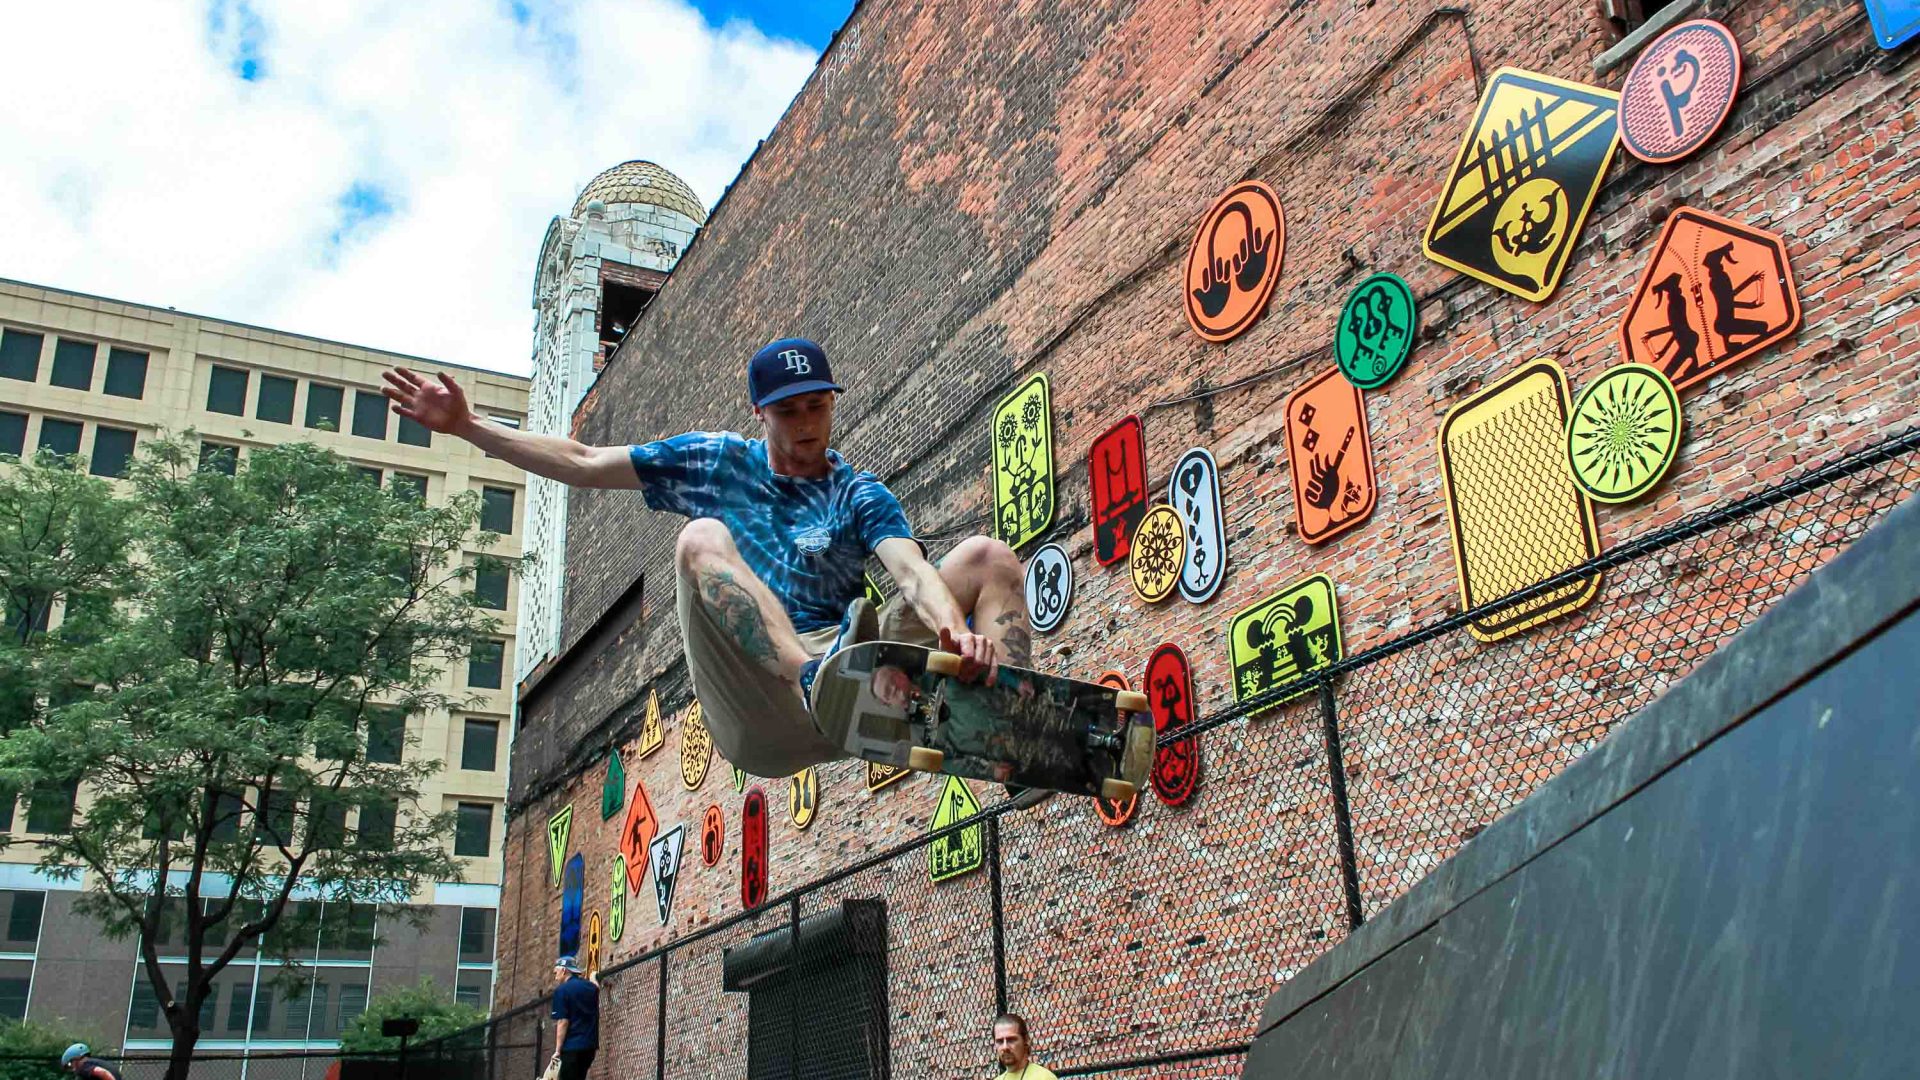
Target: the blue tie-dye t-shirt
pixel 808 539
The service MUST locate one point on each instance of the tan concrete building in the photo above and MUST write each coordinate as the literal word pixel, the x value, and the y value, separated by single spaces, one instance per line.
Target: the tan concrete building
pixel 95 377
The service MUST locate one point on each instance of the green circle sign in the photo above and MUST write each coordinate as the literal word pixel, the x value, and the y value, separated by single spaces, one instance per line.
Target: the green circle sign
pixel 1376 330
pixel 1625 433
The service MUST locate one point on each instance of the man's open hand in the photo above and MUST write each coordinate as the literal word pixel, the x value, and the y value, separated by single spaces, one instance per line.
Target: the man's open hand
pixel 979 657
pixel 440 407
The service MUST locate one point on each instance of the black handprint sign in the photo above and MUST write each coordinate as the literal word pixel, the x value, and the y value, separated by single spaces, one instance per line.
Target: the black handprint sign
pixel 1216 288
pixel 1250 263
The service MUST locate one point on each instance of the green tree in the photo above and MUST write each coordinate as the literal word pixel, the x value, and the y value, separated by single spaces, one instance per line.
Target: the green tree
pixel 193 734
pixel 31 1050
pixel 439 1016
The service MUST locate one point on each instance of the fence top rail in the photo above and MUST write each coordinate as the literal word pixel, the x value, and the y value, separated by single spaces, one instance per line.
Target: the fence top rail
pixel 1692 525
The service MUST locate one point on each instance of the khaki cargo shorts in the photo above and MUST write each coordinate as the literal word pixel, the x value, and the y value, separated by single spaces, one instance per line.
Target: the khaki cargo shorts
pixel 757 719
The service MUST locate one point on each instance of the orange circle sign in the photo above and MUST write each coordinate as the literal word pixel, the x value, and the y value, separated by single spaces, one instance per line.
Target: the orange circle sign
pixel 1234 261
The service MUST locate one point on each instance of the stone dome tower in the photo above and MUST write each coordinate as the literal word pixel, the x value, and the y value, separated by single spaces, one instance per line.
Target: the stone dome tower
pixel 600 266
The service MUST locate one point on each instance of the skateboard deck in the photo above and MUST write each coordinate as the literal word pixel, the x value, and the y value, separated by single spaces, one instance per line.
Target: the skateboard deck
pixel 900 705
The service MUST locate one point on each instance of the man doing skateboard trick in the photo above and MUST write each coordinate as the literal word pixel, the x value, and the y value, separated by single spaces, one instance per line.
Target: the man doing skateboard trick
pixel 769 571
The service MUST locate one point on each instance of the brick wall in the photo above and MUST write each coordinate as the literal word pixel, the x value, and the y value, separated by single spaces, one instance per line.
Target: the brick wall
pixel 966 193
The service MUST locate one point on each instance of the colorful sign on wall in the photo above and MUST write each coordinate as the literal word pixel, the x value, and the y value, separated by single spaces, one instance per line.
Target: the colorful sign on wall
pixel 1117 472
pixel 1234 261
pixel 1049 587
pixel 1528 170
pixel 1679 91
pixel 637 834
pixel 665 854
pixel 1376 331
pixel 739 779
pixel 617 899
pixel 592 960
pixel 1330 457
pixel 1159 553
pixel 573 898
pixel 613 790
pixel 1895 22
pixel 1169 688
pixel 803 797
pixel 696 747
pixel 1194 492
pixel 1285 636
pixel 713 835
pixel 753 849
pixel 1023 463
pixel 1116 812
pixel 652 730
pixel 956 853
pixel 880 775
pixel 1516 515
pixel 1624 434
pixel 1715 293
pixel 559 830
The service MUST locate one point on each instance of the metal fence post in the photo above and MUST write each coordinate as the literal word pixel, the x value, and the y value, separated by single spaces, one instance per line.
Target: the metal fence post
pixel 1342 815
pixel 660 1015
pixel 793 987
pixel 999 919
pixel 493 1050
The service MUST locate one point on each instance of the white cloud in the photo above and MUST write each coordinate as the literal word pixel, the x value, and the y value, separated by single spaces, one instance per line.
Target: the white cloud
pixel 136 163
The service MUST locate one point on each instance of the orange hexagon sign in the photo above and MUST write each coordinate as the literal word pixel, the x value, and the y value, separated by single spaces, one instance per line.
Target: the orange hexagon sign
pixel 1234 261
pixel 1714 293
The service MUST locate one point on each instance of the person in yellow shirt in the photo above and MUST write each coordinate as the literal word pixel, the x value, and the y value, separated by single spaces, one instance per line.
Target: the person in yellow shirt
pixel 1010 1045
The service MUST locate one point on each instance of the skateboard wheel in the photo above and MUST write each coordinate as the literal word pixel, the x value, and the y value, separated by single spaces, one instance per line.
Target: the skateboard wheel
pixel 943 663
pixel 925 759
pixel 1117 790
pixel 1131 701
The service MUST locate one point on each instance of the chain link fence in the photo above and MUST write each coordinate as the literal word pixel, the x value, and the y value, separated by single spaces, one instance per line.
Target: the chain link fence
pixel 1151 954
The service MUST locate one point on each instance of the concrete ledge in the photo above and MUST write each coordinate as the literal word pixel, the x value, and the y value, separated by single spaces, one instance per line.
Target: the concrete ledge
pixel 1866 587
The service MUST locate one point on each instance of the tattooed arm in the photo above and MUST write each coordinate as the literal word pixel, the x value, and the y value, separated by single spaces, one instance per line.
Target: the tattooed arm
pixel 922 587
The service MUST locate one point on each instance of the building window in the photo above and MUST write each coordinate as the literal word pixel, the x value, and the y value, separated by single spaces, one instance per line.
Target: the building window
pixel 323 406
pixel 13 433
pixel 60 436
pixel 50 807
pixel 326 821
pixel 27 612
pixel 378 816
pixel 414 433
pixel 273 402
pixel 496 510
pixel 386 735
pixel 6 804
pixel 227 391
pixel 476 935
pixel 483 665
pixel 369 414
pixel 126 374
pixel 24 909
pixel 370 473
pixel 480 744
pixel 473 830
pixel 408 486
pixel 490 585
pixel 346 931
pixel 145 1014
pixel 73 364
pixel 112 450
pixel 16 976
pixel 273 815
pixel 473 986
pixel 20 355
pixel 219 457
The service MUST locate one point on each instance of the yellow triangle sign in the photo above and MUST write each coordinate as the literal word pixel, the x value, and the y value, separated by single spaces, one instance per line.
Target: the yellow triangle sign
pixel 652 736
pixel 559 831
pixel 961 852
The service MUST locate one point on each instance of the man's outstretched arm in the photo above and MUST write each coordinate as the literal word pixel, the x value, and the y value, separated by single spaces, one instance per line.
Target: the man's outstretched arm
pixel 442 406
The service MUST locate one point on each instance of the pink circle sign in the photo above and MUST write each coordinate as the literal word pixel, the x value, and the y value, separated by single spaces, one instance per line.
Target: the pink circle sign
pixel 1679 91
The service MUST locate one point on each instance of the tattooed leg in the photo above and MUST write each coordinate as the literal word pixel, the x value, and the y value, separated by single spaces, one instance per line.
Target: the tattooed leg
pixel 738 601
pixel 987 582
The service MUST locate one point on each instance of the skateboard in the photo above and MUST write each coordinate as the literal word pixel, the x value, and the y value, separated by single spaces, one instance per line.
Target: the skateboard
pixel 904 705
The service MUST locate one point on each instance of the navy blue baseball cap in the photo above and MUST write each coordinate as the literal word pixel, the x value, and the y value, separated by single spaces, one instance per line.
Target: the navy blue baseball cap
pixel 787 367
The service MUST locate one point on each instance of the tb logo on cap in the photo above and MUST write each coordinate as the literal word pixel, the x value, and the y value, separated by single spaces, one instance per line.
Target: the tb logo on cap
pixel 796 361
pixel 787 367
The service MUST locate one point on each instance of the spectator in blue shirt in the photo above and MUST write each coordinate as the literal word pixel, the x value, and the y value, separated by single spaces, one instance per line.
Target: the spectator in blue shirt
pixel 770 570
pixel 576 1010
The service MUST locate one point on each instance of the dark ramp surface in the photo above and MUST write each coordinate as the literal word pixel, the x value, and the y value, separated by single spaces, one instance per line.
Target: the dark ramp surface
pixel 1729 887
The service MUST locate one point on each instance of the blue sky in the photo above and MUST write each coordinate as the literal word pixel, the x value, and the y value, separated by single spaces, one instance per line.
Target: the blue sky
pixel 360 170
pixel 810 21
